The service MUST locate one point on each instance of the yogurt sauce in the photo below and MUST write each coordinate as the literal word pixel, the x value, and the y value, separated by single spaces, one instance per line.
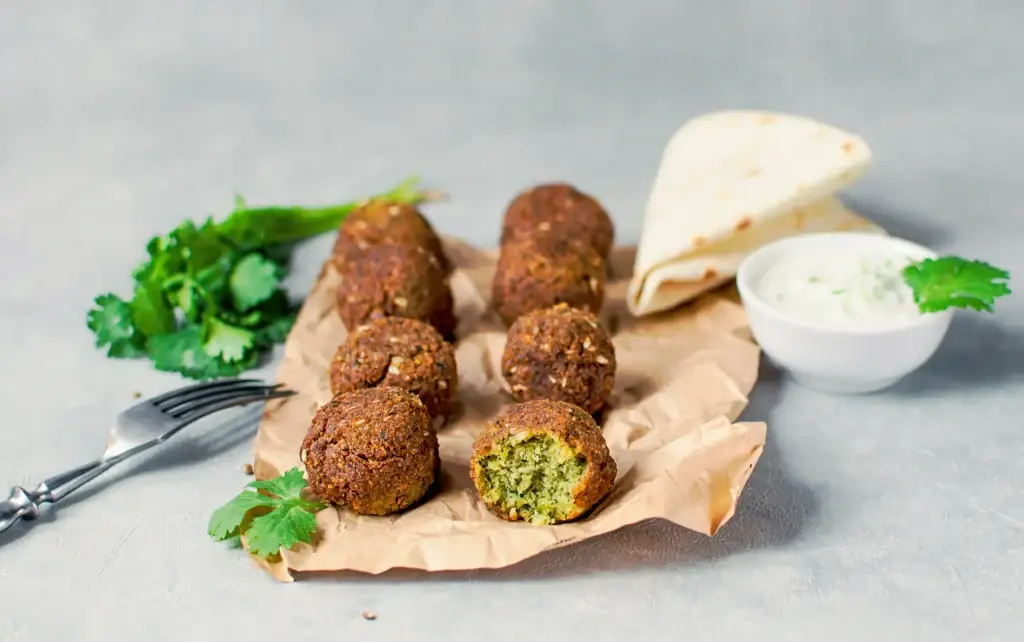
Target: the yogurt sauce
pixel 851 290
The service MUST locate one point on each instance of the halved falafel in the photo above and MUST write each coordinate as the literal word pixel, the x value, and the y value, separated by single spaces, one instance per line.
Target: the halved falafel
pixel 404 353
pixel 373 450
pixel 543 462
pixel 399 281
pixel 538 273
pixel 381 222
pixel 560 353
pixel 560 211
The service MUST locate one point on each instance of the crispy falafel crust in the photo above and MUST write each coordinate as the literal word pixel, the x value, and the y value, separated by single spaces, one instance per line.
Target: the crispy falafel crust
pixel 560 353
pixel 382 222
pixel 395 281
pixel 538 273
pixel 373 450
pixel 561 211
pixel 568 424
pixel 404 353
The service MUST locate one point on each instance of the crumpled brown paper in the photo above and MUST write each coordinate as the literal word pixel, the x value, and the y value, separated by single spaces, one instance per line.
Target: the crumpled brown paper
pixel 682 379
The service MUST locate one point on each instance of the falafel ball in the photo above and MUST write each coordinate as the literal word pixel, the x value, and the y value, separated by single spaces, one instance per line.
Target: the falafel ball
pixel 404 353
pixel 538 273
pixel 542 462
pixel 380 222
pixel 561 211
pixel 372 450
pixel 395 281
pixel 560 353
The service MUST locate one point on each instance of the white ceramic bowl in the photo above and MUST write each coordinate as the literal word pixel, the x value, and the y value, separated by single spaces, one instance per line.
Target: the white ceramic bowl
pixel 829 359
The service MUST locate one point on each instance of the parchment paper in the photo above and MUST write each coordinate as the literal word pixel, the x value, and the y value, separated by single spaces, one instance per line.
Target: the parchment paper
pixel 682 380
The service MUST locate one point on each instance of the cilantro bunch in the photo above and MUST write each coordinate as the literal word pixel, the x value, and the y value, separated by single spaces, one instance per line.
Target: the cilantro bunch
pixel 208 301
pixel 954 282
pixel 272 514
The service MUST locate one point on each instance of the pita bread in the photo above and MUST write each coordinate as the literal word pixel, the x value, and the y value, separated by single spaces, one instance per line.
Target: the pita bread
pixel 728 183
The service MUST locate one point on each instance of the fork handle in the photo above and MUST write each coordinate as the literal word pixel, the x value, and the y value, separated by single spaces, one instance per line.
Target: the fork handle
pixel 19 505
pixel 42 490
pixel 23 504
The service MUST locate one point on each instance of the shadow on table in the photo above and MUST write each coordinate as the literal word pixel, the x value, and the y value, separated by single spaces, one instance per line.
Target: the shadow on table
pixel 774 510
pixel 207 438
pixel 977 352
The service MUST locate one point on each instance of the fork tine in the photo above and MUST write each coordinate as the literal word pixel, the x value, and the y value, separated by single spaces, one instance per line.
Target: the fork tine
pixel 189 391
pixel 185 395
pixel 203 411
pixel 180 409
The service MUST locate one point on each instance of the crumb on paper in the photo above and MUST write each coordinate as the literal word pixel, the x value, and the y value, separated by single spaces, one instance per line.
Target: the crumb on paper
pixel 369 615
pixel 247 469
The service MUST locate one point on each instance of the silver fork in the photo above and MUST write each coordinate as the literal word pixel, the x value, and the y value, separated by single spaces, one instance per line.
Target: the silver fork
pixel 139 428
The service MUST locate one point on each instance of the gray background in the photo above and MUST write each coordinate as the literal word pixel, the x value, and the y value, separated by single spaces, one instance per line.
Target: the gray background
pixel 898 516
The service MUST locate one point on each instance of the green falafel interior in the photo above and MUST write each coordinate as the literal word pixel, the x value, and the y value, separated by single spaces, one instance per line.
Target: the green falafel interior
pixel 533 476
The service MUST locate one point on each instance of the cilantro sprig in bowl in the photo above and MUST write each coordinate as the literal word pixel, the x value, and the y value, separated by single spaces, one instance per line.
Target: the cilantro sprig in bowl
pixel 208 301
pixel 856 312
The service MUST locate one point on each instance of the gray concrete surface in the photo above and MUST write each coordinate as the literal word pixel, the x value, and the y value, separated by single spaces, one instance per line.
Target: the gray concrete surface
pixel 898 516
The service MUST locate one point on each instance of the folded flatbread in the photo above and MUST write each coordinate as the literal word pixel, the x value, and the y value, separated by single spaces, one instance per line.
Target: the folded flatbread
pixel 730 182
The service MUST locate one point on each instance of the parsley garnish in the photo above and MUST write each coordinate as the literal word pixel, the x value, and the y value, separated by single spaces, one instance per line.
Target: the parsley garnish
pixel 208 301
pixel 271 514
pixel 953 282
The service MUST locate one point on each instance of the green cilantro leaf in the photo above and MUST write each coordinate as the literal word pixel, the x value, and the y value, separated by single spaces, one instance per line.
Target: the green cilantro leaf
pixel 275 331
pixel 165 259
pixel 281 255
pixel 250 320
pixel 227 342
pixel 254 228
pixel 254 279
pixel 185 352
pixel 213 278
pixel 271 514
pixel 187 297
pixel 201 246
pixel 208 300
pixel 287 486
pixel 283 527
pixel 151 312
pixel 227 520
pixel 111 322
pixel 954 282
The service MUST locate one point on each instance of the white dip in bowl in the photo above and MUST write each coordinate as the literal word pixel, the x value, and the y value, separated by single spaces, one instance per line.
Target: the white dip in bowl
pixel 834 311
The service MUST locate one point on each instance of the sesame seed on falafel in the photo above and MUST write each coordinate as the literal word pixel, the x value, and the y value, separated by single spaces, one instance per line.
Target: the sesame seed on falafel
pixel 404 353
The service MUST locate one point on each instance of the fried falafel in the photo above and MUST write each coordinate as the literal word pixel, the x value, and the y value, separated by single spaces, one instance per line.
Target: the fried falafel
pixel 560 211
pixel 542 462
pixel 381 222
pixel 399 281
pixel 538 273
pixel 560 353
pixel 372 450
pixel 404 353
